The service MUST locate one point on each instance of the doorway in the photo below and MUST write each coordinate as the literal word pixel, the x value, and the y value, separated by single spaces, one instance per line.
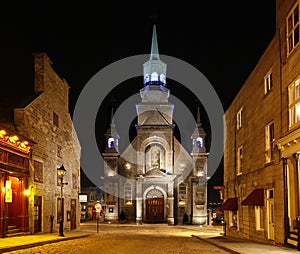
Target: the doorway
pixel 73 214
pixel 37 214
pixel 270 214
pixel 155 210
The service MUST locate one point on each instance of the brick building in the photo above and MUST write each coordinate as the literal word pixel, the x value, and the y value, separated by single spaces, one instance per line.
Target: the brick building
pixel 44 119
pixel 261 169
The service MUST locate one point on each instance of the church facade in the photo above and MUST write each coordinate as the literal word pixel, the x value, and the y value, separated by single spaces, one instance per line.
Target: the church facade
pixel 155 180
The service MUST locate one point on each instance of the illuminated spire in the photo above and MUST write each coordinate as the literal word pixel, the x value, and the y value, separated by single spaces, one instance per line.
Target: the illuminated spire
pixel 154 69
pixel 154 46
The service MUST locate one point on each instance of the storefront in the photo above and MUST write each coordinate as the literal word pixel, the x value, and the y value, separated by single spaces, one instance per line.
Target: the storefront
pixel 14 174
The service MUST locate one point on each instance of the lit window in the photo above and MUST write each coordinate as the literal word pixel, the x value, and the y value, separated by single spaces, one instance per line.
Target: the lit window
pixel 128 194
pixel 162 78
pixel 239 119
pixel 154 76
pixel 239 160
pixel 111 143
pixel 259 218
pixel 182 194
pixel 199 142
pixel 155 158
pixel 269 142
pixel 233 219
pixel 268 82
pixel 294 102
pixel 293 24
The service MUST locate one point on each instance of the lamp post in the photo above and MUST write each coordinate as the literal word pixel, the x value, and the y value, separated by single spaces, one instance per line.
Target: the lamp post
pixel 60 173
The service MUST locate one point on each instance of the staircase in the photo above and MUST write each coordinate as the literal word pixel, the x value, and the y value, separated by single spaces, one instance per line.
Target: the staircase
pixel 293 238
pixel 13 231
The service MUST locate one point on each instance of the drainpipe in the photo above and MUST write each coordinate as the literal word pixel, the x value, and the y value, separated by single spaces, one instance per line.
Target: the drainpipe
pixel 285 201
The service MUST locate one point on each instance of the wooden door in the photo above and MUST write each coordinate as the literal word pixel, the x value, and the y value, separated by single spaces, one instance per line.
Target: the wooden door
pixel 73 214
pixel 37 214
pixel 155 210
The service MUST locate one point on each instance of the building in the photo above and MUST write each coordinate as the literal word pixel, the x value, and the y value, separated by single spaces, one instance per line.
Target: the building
pixel 155 179
pixel 44 123
pixel 261 169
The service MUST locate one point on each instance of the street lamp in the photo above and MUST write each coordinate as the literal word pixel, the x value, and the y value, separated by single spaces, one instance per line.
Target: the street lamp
pixel 60 173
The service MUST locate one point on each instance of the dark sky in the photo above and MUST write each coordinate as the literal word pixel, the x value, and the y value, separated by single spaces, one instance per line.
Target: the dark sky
pixel 222 39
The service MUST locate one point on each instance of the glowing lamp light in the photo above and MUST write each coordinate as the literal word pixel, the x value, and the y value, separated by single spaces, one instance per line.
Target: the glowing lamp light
pixel 27 192
pixel 61 171
pixel 2 133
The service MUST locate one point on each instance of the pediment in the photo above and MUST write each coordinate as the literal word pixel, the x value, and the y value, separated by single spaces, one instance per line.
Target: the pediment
pixel 155 172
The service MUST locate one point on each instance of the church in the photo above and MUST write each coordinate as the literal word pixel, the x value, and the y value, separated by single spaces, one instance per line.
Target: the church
pixel 159 181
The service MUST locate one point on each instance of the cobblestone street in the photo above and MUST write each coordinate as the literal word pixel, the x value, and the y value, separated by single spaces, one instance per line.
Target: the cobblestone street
pixel 146 239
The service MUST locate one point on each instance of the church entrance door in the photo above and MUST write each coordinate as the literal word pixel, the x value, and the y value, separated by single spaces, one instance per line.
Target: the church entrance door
pixel 155 210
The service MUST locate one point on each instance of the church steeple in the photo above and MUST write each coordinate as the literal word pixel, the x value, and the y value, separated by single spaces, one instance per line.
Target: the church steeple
pixel 198 136
pixel 154 69
pixel 112 136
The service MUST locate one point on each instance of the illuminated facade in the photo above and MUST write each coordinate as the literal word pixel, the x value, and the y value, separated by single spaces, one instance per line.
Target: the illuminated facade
pixel 45 120
pixel 261 157
pixel 15 153
pixel 155 180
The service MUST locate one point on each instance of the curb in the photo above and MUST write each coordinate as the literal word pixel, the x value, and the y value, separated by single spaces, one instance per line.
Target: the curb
pixel 30 245
pixel 217 245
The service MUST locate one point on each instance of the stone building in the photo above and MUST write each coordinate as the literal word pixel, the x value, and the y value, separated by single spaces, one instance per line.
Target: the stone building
pixel 45 120
pixel 261 165
pixel 155 179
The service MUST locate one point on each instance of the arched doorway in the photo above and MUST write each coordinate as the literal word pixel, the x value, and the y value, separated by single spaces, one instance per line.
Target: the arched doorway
pixel 154 206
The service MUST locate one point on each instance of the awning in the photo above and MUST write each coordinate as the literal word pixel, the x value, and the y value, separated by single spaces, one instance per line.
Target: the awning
pixel 256 197
pixel 229 204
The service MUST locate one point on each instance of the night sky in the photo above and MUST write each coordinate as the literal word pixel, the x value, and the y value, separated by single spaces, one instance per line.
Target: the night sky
pixel 222 39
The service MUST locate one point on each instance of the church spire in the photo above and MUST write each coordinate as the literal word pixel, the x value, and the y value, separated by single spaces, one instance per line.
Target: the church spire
pixel 154 69
pixel 154 46
pixel 198 117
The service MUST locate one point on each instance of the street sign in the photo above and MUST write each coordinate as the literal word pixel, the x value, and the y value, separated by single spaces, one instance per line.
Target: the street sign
pixel 216 187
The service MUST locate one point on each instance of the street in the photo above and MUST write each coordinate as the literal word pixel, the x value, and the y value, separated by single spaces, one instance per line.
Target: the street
pixel 131 238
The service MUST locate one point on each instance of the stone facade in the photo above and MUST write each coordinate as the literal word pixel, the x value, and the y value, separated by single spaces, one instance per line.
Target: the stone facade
pixel 258 129
pixel 45 119
pixel 155 180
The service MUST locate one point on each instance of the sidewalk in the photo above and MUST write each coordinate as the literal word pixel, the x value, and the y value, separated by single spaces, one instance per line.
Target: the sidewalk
pixel 239 246
pixel 26 241
pixel 209 234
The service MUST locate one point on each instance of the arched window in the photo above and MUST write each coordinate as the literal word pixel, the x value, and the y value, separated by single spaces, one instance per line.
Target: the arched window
pixel 162 78
pixel 155 158
pixel 199 142
pixel 154 76
pixel 146 78
pixel 111 143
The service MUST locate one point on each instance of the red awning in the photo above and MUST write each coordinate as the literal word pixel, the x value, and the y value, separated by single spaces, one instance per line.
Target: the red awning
pixel 256 197
pixel 229 204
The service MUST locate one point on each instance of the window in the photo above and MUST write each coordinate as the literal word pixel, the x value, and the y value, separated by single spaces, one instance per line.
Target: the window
pixel 74 181
pixel 128 194
pixel 111 143
pixel 155 158
pixel 292 23
pixel 199 142
pixel 59 151
pixel 269 142
pixel 233 219
pixel 259 218
pixel 55 119
pixel 268 82
pixel 239 160
pixel 239 119
pixel 92 196
pixel 294 102
pixel 38 171
pixel 182 194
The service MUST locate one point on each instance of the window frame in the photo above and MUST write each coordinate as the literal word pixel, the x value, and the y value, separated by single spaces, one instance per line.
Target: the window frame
pixel 259 218
pixel 239 160
pixel 269 142
pixel 291 25
pixel 294 102
pixel 239 119
pixel 268 82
